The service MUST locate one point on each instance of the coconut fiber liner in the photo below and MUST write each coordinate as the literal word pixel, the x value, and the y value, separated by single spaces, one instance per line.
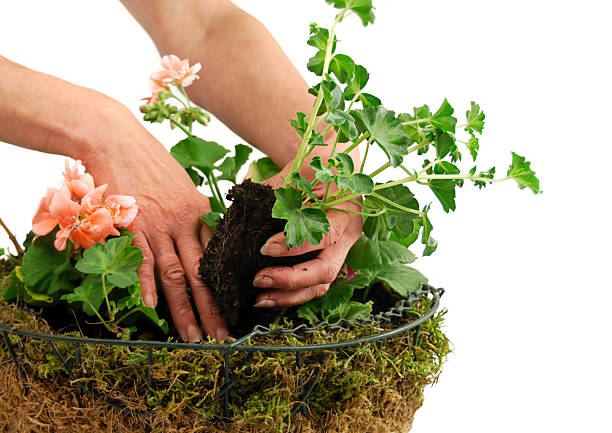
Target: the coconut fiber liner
pixel 373 387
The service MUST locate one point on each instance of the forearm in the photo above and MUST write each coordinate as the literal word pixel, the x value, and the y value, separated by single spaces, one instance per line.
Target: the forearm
pixel 47 114
pixel 246 80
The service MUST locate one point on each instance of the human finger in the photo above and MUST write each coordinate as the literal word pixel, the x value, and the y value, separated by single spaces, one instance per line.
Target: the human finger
pixel 281 298
pixel 146 272
pixel 190 252
pixel 172 276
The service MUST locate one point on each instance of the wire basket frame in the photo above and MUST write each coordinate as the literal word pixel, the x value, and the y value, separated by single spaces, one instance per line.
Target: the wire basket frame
pixel 395 317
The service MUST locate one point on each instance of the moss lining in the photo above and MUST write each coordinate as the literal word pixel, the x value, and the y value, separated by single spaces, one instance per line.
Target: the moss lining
pixel 374 388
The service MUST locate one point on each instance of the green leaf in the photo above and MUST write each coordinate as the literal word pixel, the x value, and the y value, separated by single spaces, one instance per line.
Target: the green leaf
pixel 344 123
pixel 356 85
pixel 522 173
pixel 399 221
pixel 211 219
pixel 387 131
pixel 344 163
pixel 116 258
pixel 302 224
pixel 262 169
pixel 475 119
pixel 444 143
pixel 198 153
pixel 215 205
pixel 319 37
pixel 316 63
pixel 473 147
pixel 332 95
pixel 357 183
pixel 12 287
pixel 369 100
pixel 349 311
pixel 46 270
pixel 444 189
pixel 301 184
pixel 362 8
pixel 300 124
pixel 447 167
pixel 443 119
pixel 430 243
pixel 232 164
pixel 322 173
pixel 90 293
pixel 195 176
pixel 306 312
pixel 370 253
pixel 401 279
pixel 343 67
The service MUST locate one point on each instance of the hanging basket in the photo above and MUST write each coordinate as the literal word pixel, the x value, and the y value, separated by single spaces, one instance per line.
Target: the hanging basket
pixel 367 374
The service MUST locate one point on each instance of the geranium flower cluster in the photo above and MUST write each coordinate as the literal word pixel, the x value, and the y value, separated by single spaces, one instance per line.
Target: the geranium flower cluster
pixel 83 214
pixel 175 71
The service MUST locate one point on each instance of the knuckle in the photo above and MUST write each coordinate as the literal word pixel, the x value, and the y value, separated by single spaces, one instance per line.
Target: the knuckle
pixel 330 271
pixel 173 275
pixel 182 212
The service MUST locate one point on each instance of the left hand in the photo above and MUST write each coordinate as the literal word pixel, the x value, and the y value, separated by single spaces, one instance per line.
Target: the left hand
pixel 311 279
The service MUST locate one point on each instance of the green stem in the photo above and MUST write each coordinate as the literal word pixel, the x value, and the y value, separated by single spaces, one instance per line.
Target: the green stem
pixel 357 143
pixel 111 314
pixel 392 203
pixel 380 169
pixel 212 181
pixel 418 146
pixel 180 126
pixel 415 121
pixel 365 155
pixel 341 199
pixel 296 166
pixel 428 166
pixel 99 316
pixel 129 313
pixel 356 212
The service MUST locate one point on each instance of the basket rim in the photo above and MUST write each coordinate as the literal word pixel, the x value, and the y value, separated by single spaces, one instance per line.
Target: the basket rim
pixel 238 345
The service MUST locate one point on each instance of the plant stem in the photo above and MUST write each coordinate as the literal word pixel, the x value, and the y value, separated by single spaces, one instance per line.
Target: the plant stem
pixel 214 188
pixel 111 314
pixel 297 162
pixel 392 203
pixel 428 166
pixel 380 169
pixel 356 212
pixel 357 143
pixel 180 126
pixel 12 238
pixel 365 155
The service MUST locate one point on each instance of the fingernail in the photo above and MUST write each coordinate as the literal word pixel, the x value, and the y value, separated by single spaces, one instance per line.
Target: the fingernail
pixel 193 334
pixel 266 303
pixel 221 334
pixel 273 249
pixel 263 282
pixel 149 300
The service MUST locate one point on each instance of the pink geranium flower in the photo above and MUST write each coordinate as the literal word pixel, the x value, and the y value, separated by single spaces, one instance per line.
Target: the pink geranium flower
pixel 43 222
pixel 177 71
pixel 123 209
pixel 79 184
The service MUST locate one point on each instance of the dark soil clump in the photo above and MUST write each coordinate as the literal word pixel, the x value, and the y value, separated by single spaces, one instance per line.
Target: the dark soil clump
pixel 232 257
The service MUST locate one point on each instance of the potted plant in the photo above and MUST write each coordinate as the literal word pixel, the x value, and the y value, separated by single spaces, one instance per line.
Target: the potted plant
pixel 372 364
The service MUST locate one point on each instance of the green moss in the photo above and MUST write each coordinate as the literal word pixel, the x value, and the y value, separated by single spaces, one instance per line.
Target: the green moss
pixel 268 384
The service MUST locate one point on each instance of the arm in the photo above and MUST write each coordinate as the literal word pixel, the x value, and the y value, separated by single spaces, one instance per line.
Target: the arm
pixel 50 115
pixel 249 83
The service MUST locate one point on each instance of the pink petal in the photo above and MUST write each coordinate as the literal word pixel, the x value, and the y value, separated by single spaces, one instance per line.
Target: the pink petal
pixel 61 237
pixel 43 222
pixel 93 199
pixel 63 208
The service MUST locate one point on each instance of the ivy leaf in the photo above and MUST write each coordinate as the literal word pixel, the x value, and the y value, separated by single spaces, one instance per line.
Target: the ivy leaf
pixel 444 189
pixel 400 222
pixel 215 205
pixel 387 131
pixel 301 184
pixel 475 119
pixel 332 95
pixel 473 146
pixel 489 174
pixel 211 219
pixel 90 293
pixel 522 173
pixel 232 164
pixel 401 279
pixel 370 253
pixel 198 153
pixel 350 310
pixel 356 85
pixel 46 270
pixel 362 8
pixel 319 37
pixel 369 100
pixel 443 119
pixel 430 243
pixel 343 67
pixel 357 183
pixel 322 173
pixel 116 259
pixel 445 167
pixel 444 143
pixel 195 176
pixel 300 124
pixel 302 224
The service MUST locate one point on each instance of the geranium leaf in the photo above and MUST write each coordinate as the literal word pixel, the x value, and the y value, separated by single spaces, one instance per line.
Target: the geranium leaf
pixel 357 183
pixel 401 279
pixel 362 8
pixel 232 164
pixel 316 62
pixel 198 153
pixel 369 100
pixel 444 189
pixel 319 37
pixel 211 219
pixel 116 259
pixel 522 173
pixel 90 293
pixel 322 173
pixel 370 253
pixel 262 169
pixel 387 131
pixel 343 67
pixel 475 119
pixel 356 85
pixel 302 224
pixel 443 119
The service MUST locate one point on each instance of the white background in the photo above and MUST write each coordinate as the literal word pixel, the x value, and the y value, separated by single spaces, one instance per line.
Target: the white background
pixel 527 281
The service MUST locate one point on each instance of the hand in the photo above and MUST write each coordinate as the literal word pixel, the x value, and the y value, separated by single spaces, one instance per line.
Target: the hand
pixel 168 228
pixel 311 279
